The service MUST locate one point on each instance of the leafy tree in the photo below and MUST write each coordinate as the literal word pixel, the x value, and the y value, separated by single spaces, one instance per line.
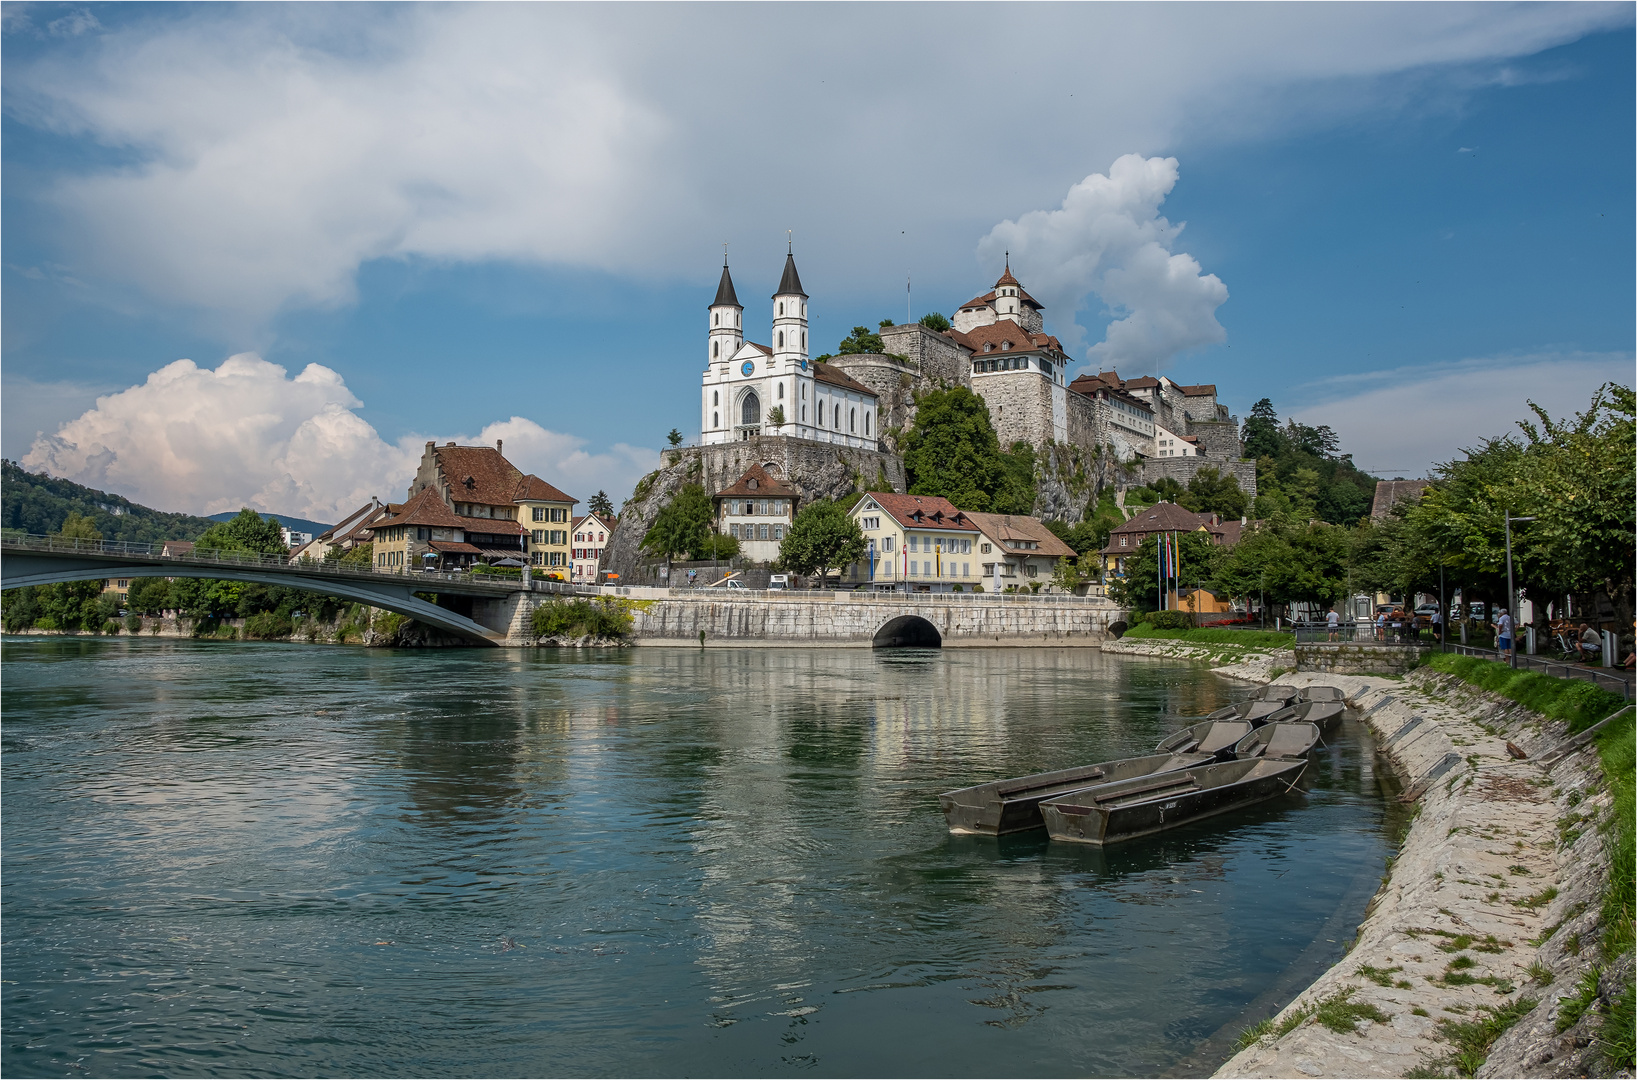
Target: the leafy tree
pixel 601 505
pixel 717 545
pixel 78 527
pixel 862 340
pixel 932 320
pixel 1166 488
pixel 682 525
pixel 952 451
pixel 674 437
pixel 1300 471
pixel 249 531
pixel 149 596
pixel 1213 492
pixel 884 323
pixel 775 416
pixel 823 537
pixel 1197 557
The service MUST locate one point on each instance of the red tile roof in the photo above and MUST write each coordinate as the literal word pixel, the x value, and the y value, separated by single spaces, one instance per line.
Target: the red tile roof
pixel 479 474
pixel 1202 390
pixel 836 377
pixel 1163 517
pixel 922 511
pixel 758 484
pixel 1008 527
pixel 988 299
pixel 428 508
pixel 1005 336
pixel 1091 386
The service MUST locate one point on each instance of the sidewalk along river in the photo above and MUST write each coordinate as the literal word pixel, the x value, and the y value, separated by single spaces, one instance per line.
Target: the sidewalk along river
pixel 245 859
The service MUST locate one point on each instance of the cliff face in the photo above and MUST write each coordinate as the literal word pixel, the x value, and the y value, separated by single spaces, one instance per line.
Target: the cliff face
pixel 817 471
pixel 1069 479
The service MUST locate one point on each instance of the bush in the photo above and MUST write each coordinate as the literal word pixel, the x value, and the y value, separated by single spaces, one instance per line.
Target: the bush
pixel 133 623
pixel 1577 703
pixel 1168 620
pixel 581 617
pixel 268 626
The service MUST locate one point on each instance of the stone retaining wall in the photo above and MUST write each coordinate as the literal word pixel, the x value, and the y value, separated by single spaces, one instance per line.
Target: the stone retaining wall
pixel 1359 658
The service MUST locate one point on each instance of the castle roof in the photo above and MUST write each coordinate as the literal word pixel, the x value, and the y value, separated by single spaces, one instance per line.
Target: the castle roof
pixel 1007 278
pixel 758 483
pixel 1202 390
pixel 1005 335
pixel 1092 385
pixel 725 296
pixel 988 299
pixel 790 283
pixel 827 373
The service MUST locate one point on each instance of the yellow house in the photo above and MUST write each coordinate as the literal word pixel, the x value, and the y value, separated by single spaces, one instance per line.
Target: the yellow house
pixel 917 543
pixel 468 504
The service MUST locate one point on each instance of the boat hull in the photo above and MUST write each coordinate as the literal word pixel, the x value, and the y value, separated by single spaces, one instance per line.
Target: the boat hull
pixel 1010 806
pixel 1324 715
pixel 1105 815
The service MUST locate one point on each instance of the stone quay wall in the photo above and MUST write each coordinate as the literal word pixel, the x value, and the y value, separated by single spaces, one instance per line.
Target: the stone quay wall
pixel 1359 658
pixel 1184 469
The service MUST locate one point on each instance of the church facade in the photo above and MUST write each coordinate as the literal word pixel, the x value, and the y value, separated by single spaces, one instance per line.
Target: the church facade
pixel 750 390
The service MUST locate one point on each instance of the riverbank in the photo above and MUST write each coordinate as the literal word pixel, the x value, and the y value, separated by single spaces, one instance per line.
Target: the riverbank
pixel 1475 955
pixel 1254 663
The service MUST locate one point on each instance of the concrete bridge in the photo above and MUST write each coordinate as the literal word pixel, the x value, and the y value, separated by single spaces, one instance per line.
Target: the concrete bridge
pixel 470 607
pixel 498 612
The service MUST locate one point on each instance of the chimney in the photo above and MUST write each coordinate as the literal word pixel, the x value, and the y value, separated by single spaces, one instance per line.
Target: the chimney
pixel 430 444
pixel 498 444
pixel 451 442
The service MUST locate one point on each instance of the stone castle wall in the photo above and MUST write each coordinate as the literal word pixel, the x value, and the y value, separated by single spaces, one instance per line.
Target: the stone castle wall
pixel 936 357
pixel 1219 438
pixel 1020 406
pixel 1184 469
pixel 894 382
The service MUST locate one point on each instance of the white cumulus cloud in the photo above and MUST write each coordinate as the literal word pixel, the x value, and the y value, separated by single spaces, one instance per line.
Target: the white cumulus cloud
pixel 1109 239
pixel 246 434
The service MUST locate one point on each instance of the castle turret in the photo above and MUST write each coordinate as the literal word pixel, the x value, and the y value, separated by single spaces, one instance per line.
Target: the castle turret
pixel 789 319
pixel 726 320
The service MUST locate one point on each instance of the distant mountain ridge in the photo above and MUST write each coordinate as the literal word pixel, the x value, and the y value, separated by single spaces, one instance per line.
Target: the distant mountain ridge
pixel 38 503
pixel 317 528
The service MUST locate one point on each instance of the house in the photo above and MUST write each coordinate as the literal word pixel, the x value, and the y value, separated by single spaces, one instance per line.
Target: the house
pixel 176 549
pixel 1163 517
pixel 918 543
pixel 756 510
pixel 294 540
pixel 348 533
pixel 591 532
pixel 1015 550
pixel 468 504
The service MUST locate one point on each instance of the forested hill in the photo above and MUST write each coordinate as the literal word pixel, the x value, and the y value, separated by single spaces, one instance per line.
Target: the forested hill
pixel 1301 470
pixel 37 503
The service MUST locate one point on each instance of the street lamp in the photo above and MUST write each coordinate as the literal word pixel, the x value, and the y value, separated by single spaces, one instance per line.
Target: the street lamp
pixel 1511 594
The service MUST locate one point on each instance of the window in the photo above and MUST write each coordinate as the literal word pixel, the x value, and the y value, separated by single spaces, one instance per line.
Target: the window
pixel 866 424
pixel 716 320
pixel 539 513
pixel 761 532
pixel 778 532
pixel 781 391
pixel 914 566
pixel 559 536
pixel 804 414
pixel 781 312
pixel 804 339
pixel 914 542
pixel 1122 541
pixel 714 424
pixel 538 536
pixel 966 569
pixel 966 547
pixel 986 548
pixel 781 339
pixel 733 530
pixel 600 538
pixel 751 410
pixel 852 419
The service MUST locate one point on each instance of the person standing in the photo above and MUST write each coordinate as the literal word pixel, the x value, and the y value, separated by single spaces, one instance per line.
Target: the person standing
pixel 1438 625
pixel 1333 621
pixel 1503 635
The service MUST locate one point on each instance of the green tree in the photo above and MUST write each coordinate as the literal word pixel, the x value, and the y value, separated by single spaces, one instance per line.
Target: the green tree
pixel 861 340
pixel 884 323
pixel 932 320
pixel 601 505
pixel 77 526
pixel 149 596
pixel 717 545
pixel 1197 558
pixel 1213 492
pixel 775 416
pixel 682 525
pixel 823 537
pixel 1261 431
pixel 952 451
pixel 248 531
pixel 38 504
pixel 674 437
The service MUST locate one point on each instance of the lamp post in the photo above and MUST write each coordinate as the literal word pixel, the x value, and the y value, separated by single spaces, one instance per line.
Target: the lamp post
pixel 1511 594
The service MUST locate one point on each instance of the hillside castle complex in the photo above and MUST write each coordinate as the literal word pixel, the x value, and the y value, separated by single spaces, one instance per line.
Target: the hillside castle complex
pixel 996 347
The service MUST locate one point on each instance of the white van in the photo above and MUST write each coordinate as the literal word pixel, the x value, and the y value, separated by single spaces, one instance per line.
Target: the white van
pixel 779 581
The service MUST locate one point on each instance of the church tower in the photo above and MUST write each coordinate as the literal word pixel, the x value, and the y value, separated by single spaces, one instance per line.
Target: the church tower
pixel 789 319
pixel 726 321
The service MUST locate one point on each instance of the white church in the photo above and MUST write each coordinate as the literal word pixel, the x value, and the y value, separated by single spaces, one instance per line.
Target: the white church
pixel 751 390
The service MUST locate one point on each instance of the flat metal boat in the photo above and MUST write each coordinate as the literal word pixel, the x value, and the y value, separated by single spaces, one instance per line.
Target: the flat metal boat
pixel 1207 737
pixel 1259 706
pixel 1321 714
pixel 1322 693
pixel 1009 806
pixel 1128 809
pixel 1293 740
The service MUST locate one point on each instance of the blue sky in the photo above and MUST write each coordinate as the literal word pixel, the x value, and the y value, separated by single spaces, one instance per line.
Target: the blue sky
pixel 506 221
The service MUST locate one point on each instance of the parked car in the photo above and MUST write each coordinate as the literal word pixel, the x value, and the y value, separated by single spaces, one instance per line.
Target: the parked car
pixel 1427 610
pixel 779 581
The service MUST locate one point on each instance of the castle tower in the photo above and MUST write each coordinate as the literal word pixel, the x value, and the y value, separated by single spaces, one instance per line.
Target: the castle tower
pixel 726 321
pixel 789 320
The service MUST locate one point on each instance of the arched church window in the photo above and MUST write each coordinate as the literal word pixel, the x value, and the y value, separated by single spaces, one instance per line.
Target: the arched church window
pixel 714 424
pixel 866 424
pixel 716 319
pixel 781 307
pixel 751 411
pixel 804 414
pixel 781 391
pixel 781 339
pixel 715 398
pixel 716 349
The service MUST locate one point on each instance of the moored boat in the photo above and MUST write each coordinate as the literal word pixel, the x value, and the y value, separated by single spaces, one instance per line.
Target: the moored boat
pixel 1323 715
pixel 1125 810
pixel 1322 693
pixel 1008 806
pixel 1291 740
pixel 1207 737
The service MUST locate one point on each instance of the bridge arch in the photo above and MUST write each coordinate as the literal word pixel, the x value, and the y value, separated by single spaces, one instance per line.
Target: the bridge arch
pixel 907 632
pixel 31 568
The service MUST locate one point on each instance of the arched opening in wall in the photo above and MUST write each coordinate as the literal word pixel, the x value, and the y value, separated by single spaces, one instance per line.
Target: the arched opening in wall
pixel 751 409
pixel 907 632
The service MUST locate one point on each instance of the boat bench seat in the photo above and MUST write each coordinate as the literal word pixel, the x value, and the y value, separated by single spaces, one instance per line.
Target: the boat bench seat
pixel 1144 789
pixel 1095 774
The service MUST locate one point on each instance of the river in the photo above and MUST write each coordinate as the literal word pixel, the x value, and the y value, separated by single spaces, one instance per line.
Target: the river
pixel 266 859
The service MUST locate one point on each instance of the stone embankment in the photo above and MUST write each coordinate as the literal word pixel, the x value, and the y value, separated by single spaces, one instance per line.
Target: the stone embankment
pixel 1253 664
pixel 1488 916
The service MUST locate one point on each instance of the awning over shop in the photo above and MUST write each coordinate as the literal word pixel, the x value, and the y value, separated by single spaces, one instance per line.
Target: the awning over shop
pixel 450 547
pixel 496 553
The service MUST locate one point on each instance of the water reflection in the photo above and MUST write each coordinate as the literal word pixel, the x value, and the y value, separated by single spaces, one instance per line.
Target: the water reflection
pixel 659 862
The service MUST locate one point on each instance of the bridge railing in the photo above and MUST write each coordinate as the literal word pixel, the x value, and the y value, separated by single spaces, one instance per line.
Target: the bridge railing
pixel 847 595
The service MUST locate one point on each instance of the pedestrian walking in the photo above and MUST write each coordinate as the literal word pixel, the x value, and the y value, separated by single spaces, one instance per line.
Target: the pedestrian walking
pixel 1334 622
pixel 1503 635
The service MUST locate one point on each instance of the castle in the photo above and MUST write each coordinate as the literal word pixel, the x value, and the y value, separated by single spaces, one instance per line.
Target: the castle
pixel 996 346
